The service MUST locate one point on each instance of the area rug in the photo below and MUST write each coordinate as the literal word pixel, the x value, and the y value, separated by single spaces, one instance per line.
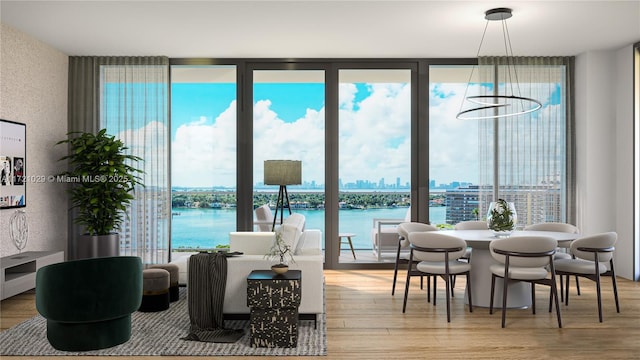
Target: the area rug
pixel 158 334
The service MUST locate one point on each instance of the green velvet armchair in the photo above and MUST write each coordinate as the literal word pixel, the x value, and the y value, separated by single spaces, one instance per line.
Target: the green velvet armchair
pixel 88 303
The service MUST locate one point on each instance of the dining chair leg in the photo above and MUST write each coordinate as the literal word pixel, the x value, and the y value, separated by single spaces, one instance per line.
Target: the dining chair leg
pixel 615 284
pixel 435 280
pixel 453 284
pixel 447 285
pixel 469 291
pixel 429 289
pixel 395 269
pixel 554 290
pixel 566 291
pixel 505 286
pixel 493 288
pixel 599 295
pixel 561 289
pixel 406 286
pixel 533 298
pixel 504 297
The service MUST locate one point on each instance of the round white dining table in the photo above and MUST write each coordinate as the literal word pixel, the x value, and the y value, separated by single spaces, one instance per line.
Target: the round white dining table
pixel 519 293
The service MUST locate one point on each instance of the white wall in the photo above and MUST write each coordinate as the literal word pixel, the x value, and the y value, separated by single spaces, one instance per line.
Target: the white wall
pixel 624 102
pixel 33 90
pixel 604 129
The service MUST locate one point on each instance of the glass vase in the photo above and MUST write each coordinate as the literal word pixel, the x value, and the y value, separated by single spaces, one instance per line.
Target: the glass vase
pixel 502 218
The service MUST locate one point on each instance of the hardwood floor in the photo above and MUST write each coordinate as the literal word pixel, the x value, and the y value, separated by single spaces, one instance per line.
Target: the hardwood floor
pixel 365 322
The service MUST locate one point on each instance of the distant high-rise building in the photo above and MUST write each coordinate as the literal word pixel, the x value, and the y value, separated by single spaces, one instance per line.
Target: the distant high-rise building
pixel 535 204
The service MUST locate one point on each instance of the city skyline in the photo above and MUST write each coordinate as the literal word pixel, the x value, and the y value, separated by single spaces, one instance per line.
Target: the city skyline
pixel 306 185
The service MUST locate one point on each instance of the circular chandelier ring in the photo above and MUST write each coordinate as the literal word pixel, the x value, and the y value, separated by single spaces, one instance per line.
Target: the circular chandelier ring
pixel 468 114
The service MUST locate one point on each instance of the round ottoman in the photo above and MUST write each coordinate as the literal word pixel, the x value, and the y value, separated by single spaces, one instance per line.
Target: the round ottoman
pixel 155 290
pixel 174 274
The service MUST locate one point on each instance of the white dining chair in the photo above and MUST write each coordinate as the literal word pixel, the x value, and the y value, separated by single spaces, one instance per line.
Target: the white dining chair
pixel 591 255
pixel 563 245
pixel 524 258
pixel 403 243
pixel 439 255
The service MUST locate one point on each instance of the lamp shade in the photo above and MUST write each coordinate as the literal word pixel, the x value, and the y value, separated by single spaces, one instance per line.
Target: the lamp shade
pixel 282 172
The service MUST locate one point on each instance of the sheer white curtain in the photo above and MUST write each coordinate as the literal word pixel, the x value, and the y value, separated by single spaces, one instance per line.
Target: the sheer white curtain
pixel 527 159
pixel 133 100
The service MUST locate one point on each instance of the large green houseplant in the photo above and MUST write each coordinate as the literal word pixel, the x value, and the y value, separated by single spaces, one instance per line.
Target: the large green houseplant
pixel 102 179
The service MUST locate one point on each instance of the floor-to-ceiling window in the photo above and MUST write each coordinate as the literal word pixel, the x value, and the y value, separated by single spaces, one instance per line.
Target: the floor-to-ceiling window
pixel 374 139
pixel 203 156
pixel 289 124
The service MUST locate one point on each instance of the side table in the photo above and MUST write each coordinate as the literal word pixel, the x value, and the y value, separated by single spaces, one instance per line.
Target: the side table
pixel 274 300
pixel 348 236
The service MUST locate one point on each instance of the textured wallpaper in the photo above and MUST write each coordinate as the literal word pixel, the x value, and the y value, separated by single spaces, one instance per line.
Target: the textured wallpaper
pixel 33 91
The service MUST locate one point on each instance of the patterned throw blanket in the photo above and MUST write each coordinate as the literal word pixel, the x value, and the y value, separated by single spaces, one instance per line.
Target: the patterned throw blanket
pixel 206 286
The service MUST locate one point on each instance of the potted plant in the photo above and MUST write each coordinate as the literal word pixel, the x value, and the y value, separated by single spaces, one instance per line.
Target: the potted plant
pixel 102 181
pixel 280 251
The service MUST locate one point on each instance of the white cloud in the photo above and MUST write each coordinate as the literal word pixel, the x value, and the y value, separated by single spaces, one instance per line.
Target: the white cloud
pixel 204 155
pixel 453 143
pixel 374 140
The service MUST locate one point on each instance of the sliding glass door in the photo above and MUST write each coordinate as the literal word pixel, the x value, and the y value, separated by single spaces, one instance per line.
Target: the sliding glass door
pixel 289 124
pixel 374 183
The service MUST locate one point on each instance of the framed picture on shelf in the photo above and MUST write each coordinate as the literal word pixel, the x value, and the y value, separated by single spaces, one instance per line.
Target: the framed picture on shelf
pixel 13 157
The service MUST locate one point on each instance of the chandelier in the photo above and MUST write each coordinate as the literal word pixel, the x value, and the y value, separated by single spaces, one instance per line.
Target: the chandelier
pixel 510 103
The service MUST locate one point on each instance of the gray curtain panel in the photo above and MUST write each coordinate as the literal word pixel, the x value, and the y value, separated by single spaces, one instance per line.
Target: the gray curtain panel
pixel 522 154
pixel 129 96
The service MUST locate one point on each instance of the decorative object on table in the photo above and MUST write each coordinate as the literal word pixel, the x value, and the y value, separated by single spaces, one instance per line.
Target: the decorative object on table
pixel 281 251
pixel 274 302
pixel 282 173
pixel 19 229
pixel 502 218
pixel 496 105
pixel 102 182
pixel 13 151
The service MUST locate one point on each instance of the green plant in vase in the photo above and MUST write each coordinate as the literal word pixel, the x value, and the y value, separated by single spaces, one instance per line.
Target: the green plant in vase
pixel 502 217
pixel 102 180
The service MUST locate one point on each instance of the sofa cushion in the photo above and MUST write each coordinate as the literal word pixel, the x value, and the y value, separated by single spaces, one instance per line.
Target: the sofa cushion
pixel 251 243
pixel 291 230
pixel 310 243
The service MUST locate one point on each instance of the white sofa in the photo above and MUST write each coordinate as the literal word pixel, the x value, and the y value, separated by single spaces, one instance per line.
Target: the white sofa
pixel 254 245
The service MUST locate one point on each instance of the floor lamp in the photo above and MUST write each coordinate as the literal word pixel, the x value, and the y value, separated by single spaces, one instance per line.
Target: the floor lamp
pixel 282 173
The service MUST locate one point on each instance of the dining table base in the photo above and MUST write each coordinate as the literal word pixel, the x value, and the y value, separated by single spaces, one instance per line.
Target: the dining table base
pixel 519 293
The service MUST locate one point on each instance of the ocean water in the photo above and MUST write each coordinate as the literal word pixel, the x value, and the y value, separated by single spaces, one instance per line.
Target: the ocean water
pixel 206 228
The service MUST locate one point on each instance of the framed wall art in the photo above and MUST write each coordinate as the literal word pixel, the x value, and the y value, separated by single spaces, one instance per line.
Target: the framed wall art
pixel 13 158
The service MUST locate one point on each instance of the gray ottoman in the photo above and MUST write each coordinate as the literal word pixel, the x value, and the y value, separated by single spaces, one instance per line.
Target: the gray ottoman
pixel 155 290
pixel 174 274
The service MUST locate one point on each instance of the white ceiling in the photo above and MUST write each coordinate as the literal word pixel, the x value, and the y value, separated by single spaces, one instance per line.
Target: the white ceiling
pixel 322 29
